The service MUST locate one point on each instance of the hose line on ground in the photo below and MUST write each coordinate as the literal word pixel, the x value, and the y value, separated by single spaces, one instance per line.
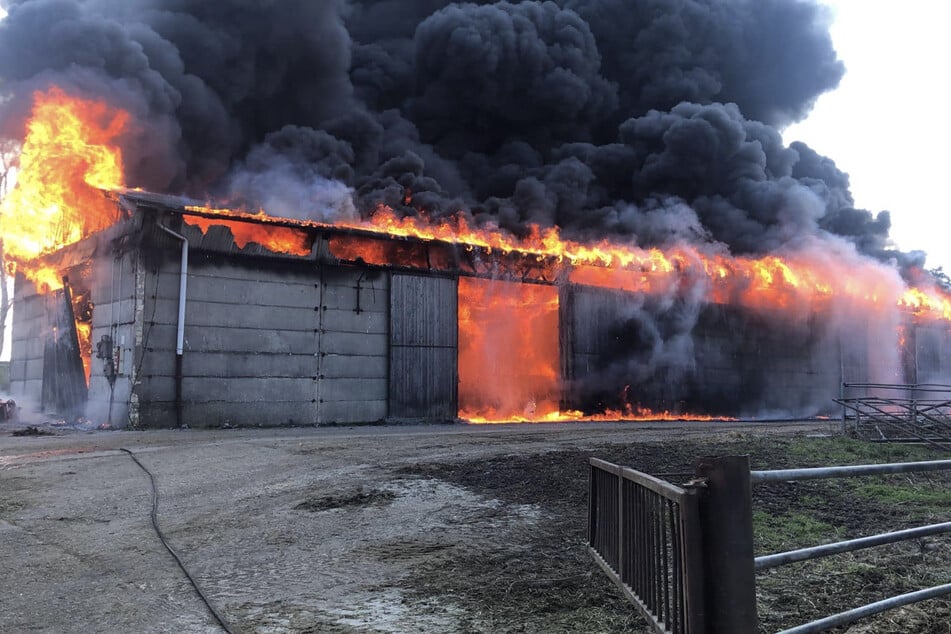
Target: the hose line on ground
pixel 158 531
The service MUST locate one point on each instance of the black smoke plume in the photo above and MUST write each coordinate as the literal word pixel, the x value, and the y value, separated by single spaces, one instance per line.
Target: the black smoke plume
pixel 650 119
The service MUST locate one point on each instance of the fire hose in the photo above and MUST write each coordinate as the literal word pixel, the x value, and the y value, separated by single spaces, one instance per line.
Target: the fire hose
pixel 227 627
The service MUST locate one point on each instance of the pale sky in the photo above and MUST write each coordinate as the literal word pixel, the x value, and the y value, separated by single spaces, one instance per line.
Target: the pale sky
pixel 887 124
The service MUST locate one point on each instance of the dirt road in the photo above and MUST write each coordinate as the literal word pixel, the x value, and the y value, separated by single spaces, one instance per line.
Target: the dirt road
pixel 305 530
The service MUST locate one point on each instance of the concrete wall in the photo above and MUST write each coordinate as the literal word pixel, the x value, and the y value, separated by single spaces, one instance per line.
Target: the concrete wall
pixel 272 341
pixel 28 336
pixel 111 283
pixel 250 345
pixel 352 367
pixel 266 343
pixel 116 300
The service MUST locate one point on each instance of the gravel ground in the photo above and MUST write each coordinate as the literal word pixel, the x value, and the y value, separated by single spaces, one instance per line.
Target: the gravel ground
pixel 366 529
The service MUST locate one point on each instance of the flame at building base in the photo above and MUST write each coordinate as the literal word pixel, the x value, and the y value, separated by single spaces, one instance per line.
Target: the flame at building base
pixel 610 416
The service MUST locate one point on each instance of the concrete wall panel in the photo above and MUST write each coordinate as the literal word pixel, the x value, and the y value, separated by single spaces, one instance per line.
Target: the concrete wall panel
pixel 354 346
pixel 199 313
pixel 353 411
pixel 203 287
pixel 354 367
pixel 217 414
pixel 225 364
pixel 354 343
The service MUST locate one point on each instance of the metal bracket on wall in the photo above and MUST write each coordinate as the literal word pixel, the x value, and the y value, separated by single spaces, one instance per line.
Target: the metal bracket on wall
pixel 357 309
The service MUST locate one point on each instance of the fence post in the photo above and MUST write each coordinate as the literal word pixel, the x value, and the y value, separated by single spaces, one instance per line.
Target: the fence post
pixel 726 518
pixel 844 428
pixel 695 616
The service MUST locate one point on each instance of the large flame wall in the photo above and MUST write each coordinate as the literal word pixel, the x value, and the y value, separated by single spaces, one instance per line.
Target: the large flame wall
pixel 508 350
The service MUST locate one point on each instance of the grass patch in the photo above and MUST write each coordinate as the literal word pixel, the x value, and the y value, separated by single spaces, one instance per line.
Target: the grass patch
pixel 796 529
pixel 926 497
pixel 912 496
pixel 844 451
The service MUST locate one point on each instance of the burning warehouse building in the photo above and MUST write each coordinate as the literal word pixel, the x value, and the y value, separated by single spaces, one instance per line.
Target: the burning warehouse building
pixel 490 211
pixel 181 314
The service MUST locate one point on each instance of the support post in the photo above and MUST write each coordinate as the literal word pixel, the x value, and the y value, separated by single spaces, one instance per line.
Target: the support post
pixel 726 518
pixel 844 427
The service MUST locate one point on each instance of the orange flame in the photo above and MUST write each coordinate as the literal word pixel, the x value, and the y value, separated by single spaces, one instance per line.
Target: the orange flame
pixel 70 153
pixel 84 336
pixel 641 415
pixel 276 239
pixel 796 281
pixel 508 350
pixel 927 302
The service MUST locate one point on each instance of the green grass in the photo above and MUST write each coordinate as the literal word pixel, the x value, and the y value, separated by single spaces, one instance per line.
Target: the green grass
pixel 917 494
pixel 821 511
pixel 841 451
pixel 924 496
pixel 796 529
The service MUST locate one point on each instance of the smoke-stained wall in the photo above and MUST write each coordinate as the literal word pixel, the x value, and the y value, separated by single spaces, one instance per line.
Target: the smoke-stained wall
pixel 47 365
pixel 117 303
pixel 626 352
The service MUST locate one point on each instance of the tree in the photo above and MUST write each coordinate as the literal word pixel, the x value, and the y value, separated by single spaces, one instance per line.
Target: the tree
pixel 9 153
pixel 941 278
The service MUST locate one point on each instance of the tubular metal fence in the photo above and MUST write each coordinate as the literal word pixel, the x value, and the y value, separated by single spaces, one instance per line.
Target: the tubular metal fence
pixel 899 413
pixel 684 555
pixel 644 534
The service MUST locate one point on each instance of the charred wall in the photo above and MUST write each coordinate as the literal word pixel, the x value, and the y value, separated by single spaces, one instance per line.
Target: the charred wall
pixel 622 351
pixel 117 301
pixel 49 359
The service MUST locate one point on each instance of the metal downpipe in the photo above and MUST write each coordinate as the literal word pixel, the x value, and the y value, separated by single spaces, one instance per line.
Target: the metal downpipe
pixel 180 333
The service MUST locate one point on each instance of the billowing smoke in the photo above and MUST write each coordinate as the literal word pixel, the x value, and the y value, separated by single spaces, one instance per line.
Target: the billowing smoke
pixel 598 116
pixel 650 121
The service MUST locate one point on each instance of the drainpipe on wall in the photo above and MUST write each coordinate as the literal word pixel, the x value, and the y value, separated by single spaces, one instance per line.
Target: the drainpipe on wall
pixel 180 335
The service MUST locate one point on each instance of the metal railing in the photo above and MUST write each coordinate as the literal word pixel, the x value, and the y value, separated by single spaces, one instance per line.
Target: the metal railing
pixel 802 554
pixel 896 412
pixel 656 540
pixel 644 533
